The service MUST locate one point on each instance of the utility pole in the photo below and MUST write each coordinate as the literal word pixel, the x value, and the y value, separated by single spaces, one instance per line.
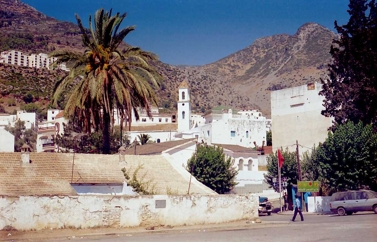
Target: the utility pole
pixel 299 171
pixel 298 162
pixel 135 143
pixel 192 168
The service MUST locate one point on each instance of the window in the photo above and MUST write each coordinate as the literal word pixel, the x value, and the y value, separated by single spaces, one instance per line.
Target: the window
pixel 183 114
pixel 208 133
pixel 183 95
pixel 232 133
pixel 247 134
pixel 159 120
pixel 143 120
pixel 166 120
pixel 250 165
pixel 240 165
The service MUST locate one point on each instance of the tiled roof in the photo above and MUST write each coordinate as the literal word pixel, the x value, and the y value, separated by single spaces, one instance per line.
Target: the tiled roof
pixel 60 115
pixel 51 173
pixel 183 84
pixel 156 148
pixel 237 148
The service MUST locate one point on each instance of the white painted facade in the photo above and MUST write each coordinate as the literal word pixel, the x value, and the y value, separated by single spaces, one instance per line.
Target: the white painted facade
pixel 15 57
pixel 296 115
pixel 51 114
pixel 183 108
pixel 81 212
pixel 10 120
pixel 156 118
pixel 6 141
pixel 243 129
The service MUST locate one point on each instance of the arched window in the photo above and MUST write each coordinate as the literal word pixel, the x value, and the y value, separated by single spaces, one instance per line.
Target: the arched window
pixel 183 114
pixel 250 165
pixel 240 165
pixel 247 134
pixel 183 95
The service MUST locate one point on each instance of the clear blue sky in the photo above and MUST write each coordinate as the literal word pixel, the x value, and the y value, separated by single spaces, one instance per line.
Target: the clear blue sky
pixel 197 32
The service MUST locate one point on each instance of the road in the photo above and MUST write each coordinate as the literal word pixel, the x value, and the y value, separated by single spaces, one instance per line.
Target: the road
pixel 358 227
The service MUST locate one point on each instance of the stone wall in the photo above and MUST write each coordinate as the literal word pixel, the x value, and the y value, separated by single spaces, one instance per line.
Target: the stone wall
pixel 54 212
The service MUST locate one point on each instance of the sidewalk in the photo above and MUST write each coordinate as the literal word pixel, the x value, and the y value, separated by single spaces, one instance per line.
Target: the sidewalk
pixel 59 234
pixel 290 213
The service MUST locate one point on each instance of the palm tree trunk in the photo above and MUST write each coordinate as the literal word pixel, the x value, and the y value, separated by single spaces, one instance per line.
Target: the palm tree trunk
pixel 106 133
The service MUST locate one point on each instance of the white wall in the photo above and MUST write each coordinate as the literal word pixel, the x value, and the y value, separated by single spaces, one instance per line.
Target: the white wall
pixel 31 212
pixel 296 115
pixel 162 135
pixel 6 141
pixel 319 204
pixel 221 131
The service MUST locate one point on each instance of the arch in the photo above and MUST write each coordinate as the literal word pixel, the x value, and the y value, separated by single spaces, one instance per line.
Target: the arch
pixel 250 165
pixel 247 134
pixel 183 114
pixel 240 165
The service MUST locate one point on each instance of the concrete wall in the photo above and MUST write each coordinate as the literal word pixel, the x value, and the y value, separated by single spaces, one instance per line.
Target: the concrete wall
pixel 296 115
pixel 29 213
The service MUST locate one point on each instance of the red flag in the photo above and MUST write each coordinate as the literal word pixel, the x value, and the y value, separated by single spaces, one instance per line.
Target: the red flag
pixel 280 159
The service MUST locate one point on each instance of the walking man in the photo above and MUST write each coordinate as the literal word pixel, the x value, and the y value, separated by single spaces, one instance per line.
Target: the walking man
pixel 297 209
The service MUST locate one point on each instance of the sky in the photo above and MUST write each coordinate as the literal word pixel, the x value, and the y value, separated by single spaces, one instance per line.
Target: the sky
pixel 198 32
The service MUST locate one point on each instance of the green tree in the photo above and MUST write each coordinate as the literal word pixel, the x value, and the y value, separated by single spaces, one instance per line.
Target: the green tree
pixel 288 170
pixel 103 79
pixel 269 138
pixel 210 166
pixel 74 140
pixel 22 135
pixel 144 138
pixel 309 165
pixel 348 158
pixel 351 90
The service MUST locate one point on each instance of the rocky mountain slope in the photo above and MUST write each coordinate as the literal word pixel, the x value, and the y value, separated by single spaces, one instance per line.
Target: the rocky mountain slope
pixel 242 80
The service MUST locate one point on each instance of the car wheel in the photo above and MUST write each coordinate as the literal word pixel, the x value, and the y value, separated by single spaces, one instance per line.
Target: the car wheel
pixel 349 213
pixel 269 213
pixel 375 208
pixel 341 211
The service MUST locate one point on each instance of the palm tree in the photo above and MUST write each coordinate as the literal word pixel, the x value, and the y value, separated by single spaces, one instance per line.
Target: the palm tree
pixel 144 138
pixel 104 79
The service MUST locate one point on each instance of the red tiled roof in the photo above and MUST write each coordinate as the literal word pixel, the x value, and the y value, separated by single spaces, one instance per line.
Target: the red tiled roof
pixel 60 115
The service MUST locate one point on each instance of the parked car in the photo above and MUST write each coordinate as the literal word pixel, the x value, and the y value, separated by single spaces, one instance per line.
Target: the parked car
pixel 265 207
pixel 350 202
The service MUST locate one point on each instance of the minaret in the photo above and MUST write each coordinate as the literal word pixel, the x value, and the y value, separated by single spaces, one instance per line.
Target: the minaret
pixel 184 107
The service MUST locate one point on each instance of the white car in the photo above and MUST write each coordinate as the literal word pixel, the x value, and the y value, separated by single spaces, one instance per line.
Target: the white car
pixel 350 202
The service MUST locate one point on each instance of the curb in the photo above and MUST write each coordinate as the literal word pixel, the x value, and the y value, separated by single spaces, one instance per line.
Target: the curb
pixel 76 234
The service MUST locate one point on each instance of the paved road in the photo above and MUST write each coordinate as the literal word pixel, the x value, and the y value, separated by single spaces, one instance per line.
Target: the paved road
pixel 358 227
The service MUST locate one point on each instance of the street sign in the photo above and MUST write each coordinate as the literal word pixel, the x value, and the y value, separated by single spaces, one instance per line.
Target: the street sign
pixel 308 186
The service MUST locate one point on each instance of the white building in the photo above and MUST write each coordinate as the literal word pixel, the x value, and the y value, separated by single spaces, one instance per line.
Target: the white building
pixel 10 120
pixel 41 60
pixel 6 141
pixel 184 107
pixel 296 116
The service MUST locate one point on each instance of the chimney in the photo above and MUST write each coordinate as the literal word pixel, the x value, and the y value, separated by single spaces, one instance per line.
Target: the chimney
pixel 25 154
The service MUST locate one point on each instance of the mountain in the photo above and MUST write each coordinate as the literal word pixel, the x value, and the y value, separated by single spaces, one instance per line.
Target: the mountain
pixel 241 80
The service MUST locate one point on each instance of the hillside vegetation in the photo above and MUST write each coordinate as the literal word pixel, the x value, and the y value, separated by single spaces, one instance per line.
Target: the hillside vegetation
pixel 241 80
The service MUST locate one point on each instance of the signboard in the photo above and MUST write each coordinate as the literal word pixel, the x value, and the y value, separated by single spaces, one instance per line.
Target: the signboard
pixel 308 186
